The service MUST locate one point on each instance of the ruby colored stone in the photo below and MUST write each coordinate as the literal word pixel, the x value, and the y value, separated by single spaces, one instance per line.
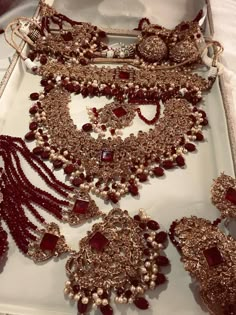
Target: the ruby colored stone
pixel 137 217
pixel 81 206
pixel 98 241
pixel 44 82
pixel 124 75
pixel 77 89
pixel 45 155
pixel 146 235
pixel 161 237
pixel 190 147
pixel 160 278
pixel 30 136
pixel 119 111
pixel 231 195
pixel 133 190
pixel 106 309
pixel 107 91
pixel 204 122
pixel 162 261
pixel 203 113
pixel 141 303
pixel 34 96
pixel 76 288
pixel 180 161
pixel 113 197
pixel 142 225
pixel 77 181
pixel 67 36
pixel 158 171
pixel 153 225
pixel 128 294
pixel 82 308
pixel 107 156
pixel 33 125
pixel 33 110
pixel 102 34
pixel 69 169
pixel 88 54
pixel 37 150
pixel 167 164
pixel 119 291
pixel 43 59
pixel 199 136
pixel 49 242
pixel 70 87
pixel 142 177
pixel 87 127
pixel 115 91
pixel 83 62
pixel 134 282
pixel 146 252
pixel 57 164
pixel 213 256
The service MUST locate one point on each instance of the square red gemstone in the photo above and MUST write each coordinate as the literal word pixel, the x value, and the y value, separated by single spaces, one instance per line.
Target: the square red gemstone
pixel 107 156
pixel 119 111
pixel 49 242
pixel 231 195
pixel 98 241
pixel 213 256
pixel 124 75
pixel 81 206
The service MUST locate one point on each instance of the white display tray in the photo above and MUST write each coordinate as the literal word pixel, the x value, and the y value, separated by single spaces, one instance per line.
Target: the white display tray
pixel 30 289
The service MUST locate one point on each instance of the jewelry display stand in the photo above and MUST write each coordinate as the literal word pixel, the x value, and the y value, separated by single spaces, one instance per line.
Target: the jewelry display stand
pixel 30 289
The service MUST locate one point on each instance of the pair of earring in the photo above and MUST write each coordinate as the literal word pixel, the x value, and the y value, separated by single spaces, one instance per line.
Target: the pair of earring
pixel 207 253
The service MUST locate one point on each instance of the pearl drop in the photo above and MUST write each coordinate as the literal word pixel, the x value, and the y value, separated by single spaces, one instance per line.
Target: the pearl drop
pixel 104 302
pixel 85 300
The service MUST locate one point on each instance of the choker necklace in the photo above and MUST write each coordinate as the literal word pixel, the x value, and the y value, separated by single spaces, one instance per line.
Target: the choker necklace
pixel 209 256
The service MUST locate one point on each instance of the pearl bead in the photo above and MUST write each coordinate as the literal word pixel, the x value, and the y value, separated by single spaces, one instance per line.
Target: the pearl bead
pixel 147 264
pixel 98 301
pixel 66 291
pixel 104 302
pixel 99 291
pixel 71 295
pixel 146 278
pixel 143 270
pixel 77 297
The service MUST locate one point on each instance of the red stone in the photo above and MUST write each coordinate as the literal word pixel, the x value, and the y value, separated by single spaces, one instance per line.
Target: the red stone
pixel 33 110
pixel 49 242
pixel 190 147
pixel 33 125
pixel 180 161
pixel 167 164
pixel 88 54
pixel 82 308
pixel 158 171
pixel 160 278
pixel 153 225
pixel 83 62
pixel 98 241
pixel 142 225
pixel 106 309
pixel 142 177
pixel 77 181
pixel 231 195
pixel 69 169
pixel 128 294
pixel 133 190
pixel 87 127
pixel 38 150
pixel 45 155
pixel 81 206
pixel 107 91
pixel 34 96
pixel 199 136
pixel 76 288
pixel 30 136
pixel 119 111
pixel 124 75
pixel 141 303
pixel 204 122
pixel 137 217
pixel 43 59
pixel 67 36
pixel 161 237
pixel 162 261
pixel 57 164
pixel 213 256
pixel 107 156
pixel 113 197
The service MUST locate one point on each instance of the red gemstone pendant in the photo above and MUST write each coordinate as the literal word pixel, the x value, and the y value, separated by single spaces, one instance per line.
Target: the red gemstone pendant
pixel 213 256
pixel 231 195
pixel 107 156
pixel 49 242
pixel 119 111
pixel 124 75
pixel 81 206
pixel 98 241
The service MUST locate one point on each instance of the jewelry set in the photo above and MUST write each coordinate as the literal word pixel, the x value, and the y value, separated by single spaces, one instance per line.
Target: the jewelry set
pixel 121 257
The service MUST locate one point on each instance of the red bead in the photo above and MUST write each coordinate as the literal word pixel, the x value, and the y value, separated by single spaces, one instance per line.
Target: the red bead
pixel 98 241
pixel 88 54
pixel 45 155
pixel 167 164
pixel 133 190
pixel 69 169
pixel 57 164
pixel 107 156
pixel 83 62
pixel 30 136
pixel 49 242
pixel 153 225
pixel 34 96
pixel 81 206
pixel 161 237
pixel 77 181
pixel 106 309
pixel 204 122
pixel 213 256
pixel 38 150
pixel 180 161
pixel 119 111
pixel 162 261
pixel 124 75
pixel 231 195
pixel 113 197
pixel 43 59
pixel 33 110
pixel 142 177
pixel 199 136
pixel 87 127
pixel 107 91
pixel 160 278
pixel 141 303
pixel 76 288
pixel 158 171
pixel 33 125
pixel 67 36
pixel 82 308
pixel 190 147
